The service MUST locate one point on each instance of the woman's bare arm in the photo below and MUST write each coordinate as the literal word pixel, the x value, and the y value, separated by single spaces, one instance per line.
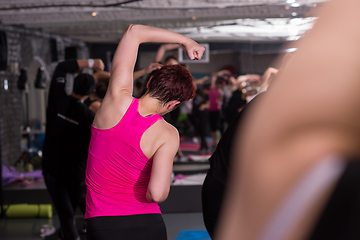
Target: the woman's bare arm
pixel 121 80
pixel 101 75
pixel 159 184
pixel 151 67
pixel 119 93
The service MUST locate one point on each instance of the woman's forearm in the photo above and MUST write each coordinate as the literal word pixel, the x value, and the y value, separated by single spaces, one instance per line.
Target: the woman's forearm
pixel 152 34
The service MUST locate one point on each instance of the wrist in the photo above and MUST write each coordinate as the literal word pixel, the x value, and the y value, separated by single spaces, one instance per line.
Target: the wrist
pixel 90 63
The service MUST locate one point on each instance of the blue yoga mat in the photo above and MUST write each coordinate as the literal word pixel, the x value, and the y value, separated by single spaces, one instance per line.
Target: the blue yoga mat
pixel 193 235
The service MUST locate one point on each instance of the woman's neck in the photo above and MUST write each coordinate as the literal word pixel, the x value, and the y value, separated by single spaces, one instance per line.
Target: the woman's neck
pixel 148 106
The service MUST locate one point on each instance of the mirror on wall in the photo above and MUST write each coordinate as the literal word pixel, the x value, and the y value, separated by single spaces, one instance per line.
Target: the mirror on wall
pixel 34 105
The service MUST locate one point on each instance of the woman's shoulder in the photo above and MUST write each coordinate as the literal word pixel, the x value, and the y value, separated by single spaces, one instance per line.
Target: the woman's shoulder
pixel 111 111
pixel 165 130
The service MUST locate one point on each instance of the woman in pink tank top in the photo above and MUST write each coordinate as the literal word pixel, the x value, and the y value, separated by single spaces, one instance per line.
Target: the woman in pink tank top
pixel 132 148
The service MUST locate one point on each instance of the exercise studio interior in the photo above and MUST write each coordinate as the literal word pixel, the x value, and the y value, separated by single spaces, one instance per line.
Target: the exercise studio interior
pixel 179 120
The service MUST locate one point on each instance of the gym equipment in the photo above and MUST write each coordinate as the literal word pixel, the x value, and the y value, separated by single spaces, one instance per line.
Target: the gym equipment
pixel 193 235
pixel 25 210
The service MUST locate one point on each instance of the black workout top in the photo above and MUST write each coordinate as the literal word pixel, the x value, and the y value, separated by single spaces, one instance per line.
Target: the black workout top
pixel 220 159
pixel 235 102
pixel 68 129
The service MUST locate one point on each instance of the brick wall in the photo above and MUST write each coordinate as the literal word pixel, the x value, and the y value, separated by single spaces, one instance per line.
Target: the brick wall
pixel 23 47
pixel 10 109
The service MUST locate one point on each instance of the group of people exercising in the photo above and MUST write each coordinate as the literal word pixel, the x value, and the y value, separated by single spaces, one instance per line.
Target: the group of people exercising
pixel 281 162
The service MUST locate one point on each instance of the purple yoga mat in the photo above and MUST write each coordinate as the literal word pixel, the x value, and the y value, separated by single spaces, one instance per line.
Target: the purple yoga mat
pixel 9 174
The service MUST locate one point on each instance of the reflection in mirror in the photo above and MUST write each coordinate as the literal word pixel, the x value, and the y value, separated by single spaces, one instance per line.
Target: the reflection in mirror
pixel 40 81
pixel 34 105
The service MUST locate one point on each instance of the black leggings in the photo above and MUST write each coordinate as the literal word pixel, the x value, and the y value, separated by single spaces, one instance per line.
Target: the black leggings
pixel 200 123
pixel 139 227
pixel 212 198
pixel 66 197
pixel 214 120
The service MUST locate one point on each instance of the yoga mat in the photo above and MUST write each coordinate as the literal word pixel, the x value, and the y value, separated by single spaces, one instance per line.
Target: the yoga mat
pixel 199 158
pixel 9 174
pixel 25 210
pixel 193 235
pixel 190 146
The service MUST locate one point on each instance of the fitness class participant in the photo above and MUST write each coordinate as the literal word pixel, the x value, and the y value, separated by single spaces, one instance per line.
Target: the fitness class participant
pixel 68 123
pixel 216 181
pixel 132 148
pixel 102 81
pixel 309 117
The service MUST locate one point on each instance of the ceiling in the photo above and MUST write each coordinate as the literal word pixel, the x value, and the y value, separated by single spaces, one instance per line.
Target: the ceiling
pixel 209 20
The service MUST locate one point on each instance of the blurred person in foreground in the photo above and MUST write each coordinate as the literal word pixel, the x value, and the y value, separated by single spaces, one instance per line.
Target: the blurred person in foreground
pixel 298 138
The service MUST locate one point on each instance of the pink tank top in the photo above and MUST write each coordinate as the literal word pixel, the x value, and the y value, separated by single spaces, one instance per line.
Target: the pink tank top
pixel 214 96
pixel 118 172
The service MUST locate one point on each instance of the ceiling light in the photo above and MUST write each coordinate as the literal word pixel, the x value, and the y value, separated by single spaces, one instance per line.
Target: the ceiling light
pixel 94 14
pixel 193 18
pixel 291 1
pixel 295 5
pixel 6 84
pixel 294 14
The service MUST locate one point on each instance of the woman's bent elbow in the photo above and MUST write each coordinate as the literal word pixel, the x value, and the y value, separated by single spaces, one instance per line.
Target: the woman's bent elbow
pixel 155 197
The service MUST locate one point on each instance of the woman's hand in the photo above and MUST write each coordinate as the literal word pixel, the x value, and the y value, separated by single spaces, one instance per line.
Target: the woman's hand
pixel 98 65
pixel 152 67
pixel 194 50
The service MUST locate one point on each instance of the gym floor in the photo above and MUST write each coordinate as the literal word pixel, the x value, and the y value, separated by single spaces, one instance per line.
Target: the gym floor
pixel 180 212
pixel 29 229
pixel 188 216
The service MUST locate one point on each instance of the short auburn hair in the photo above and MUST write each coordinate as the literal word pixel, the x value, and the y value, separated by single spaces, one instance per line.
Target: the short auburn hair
pixel 172 82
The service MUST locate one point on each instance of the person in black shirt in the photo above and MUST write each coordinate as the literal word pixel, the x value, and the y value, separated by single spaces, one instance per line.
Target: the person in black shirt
pixel 67 136
pixel 200 115
pixel 238 99
pixel 216 179
pixel 94 100
pixel 236 103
